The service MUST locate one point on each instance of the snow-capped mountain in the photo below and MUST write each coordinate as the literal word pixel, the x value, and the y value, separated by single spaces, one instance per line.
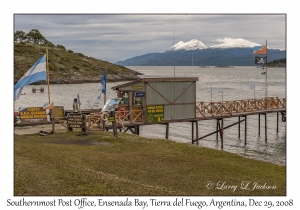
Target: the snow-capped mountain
pixel 194 44
pixel 230 51
pixel 234 42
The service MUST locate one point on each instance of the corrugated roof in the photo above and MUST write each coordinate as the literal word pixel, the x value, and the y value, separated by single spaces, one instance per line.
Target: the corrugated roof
pixel 158 79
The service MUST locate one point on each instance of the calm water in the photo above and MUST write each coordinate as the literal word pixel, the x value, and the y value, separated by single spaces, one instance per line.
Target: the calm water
pixel 235 83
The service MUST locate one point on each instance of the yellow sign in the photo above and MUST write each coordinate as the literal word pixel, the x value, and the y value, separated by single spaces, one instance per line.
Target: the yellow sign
pixel 33 115
pixel 137 87
pixel 155 113
pixel 58 111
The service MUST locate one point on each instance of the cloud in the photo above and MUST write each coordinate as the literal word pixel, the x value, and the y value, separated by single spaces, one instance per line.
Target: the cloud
pixel 115 37
pixel 234 42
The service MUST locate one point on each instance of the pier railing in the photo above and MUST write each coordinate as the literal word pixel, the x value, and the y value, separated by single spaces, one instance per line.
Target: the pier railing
pixel 121 118
pixel 227 108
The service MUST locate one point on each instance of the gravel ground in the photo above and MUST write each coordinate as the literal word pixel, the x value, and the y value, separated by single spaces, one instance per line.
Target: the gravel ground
pixel 36 129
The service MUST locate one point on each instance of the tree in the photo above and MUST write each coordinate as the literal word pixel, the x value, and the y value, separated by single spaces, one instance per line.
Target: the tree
pixel 36 37
pixel 19 36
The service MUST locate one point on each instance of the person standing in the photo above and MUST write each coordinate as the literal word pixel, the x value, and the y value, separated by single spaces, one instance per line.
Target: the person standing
pixel 75 105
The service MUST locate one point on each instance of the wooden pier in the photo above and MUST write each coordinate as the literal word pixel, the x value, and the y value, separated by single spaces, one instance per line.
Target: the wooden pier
pixel 131 120
pixel 149 101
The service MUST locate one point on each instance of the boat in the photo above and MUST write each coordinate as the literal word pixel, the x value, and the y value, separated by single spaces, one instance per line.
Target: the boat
pixel 223 66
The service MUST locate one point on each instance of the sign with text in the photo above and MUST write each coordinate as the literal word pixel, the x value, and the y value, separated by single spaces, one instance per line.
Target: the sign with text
pixel 139 94
pixel 33 115
pixel 58 111
pixel 137 87
pixel 155 113
pixel 76 120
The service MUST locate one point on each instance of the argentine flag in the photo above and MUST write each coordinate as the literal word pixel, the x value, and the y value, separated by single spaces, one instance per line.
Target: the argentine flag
pixel 36 73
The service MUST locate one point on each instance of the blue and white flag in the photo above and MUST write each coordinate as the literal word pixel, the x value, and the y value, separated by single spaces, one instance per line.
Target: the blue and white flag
pixel 102 88
pixel 264 87
pixel 36 73
pixel 209 89
pixel 103 83
pixel 220 90
pixel 78 100
pixel 252 86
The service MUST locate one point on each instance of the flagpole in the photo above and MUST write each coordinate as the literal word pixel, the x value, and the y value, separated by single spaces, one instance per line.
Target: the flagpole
pixel 174 53
pixel 266 93
pixel 48 77
pixel 105 86
pixel 210 94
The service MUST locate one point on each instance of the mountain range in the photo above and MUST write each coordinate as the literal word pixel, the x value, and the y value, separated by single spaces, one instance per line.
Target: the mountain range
pixel 231 52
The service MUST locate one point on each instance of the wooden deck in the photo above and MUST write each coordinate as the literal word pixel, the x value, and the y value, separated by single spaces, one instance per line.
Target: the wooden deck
pixel 204 111
pixel 133 119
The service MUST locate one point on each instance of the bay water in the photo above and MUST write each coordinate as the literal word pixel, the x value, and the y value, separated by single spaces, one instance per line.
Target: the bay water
pixel 235 83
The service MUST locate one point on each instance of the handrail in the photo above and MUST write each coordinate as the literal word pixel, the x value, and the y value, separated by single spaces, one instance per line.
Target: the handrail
pixel 227 108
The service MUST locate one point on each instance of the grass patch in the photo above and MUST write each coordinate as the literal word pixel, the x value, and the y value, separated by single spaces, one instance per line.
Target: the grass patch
pixel 98 164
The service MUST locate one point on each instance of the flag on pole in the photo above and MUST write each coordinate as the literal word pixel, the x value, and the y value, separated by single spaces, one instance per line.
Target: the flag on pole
pixel 48 106
pixel 260 50
pixel 209 89
pixel 260 60
pixel 103 83
pixel 36 73
pixel 96 104
pixel 252 86
pixel 102 88
pixel 220 90
pixel 78 100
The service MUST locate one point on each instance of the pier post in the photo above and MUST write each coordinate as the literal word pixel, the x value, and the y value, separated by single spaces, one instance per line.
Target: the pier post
pixel 239 127
pixel 277 124
pixel 218 128
pixel 53 120
pixel 258 125
pixel 245 130
pixel 266 127
pixel 222 132
pixel 167 131
pixel 197 136
pixel 192 132
pixel 137 130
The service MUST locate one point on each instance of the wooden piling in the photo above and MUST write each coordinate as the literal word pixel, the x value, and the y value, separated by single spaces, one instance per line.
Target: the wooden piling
pixel 53 120
pixel 245 130
pixel 197 136
pixel 192 132
pixel 239 127
pixel 222 132
pixel 137 130
pixel 266 127
pixel 258 125
pixel 277 123
pixel 167 131
pixel 218 128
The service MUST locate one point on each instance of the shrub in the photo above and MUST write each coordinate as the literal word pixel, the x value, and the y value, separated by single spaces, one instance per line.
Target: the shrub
pixel 76 67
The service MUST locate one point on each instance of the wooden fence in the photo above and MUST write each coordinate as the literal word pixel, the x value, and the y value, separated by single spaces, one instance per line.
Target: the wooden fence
pixel 228 108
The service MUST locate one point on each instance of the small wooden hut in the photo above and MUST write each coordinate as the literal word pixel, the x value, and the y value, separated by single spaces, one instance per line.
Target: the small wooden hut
pixel 152 100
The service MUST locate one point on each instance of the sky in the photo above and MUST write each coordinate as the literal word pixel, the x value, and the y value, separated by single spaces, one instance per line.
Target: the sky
pixel 116 37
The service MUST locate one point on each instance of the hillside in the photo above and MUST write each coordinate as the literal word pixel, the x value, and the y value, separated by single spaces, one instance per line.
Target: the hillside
pixel 277 63
pixel 65 65
pixel 203 57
